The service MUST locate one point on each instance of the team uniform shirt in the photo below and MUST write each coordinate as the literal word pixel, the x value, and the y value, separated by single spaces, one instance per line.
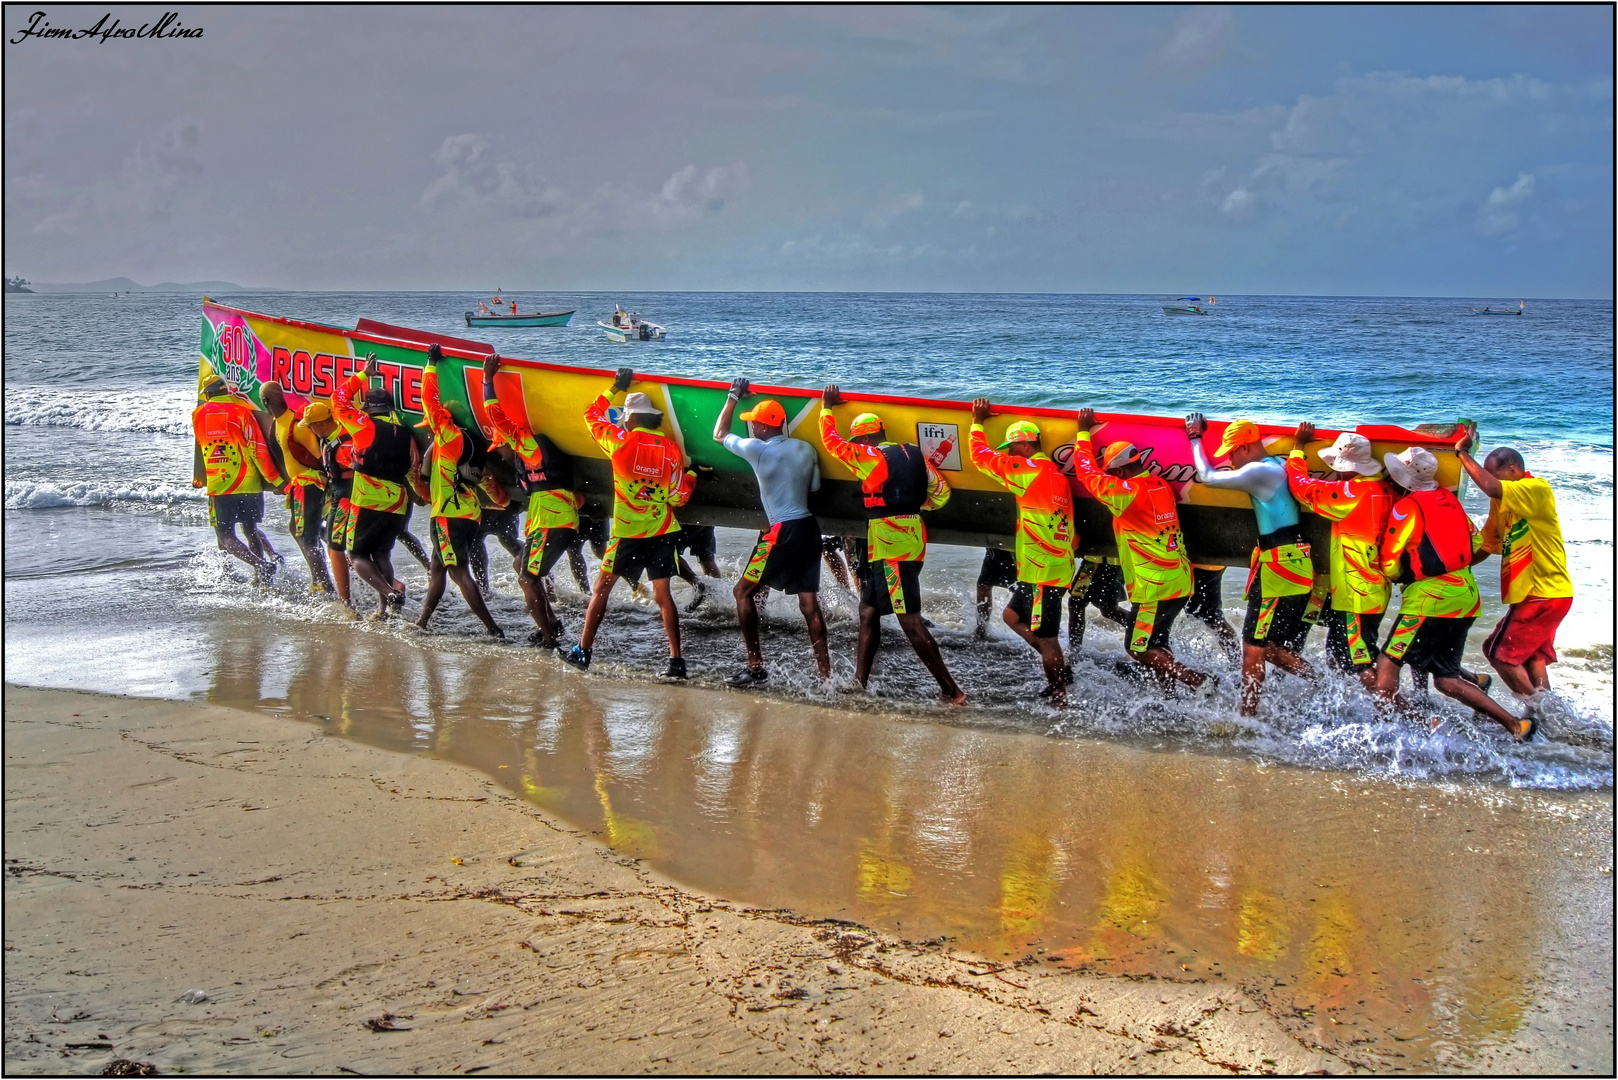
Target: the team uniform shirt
pixel 234 454
pixel 368 492
pixel 1524 530
pixel 902 537
pixel 449 495
pixel 300 450
pixel 787 469
pixel 1449 594
pixel 649 478
pixel 1358 512
pixel 1146 524
pixel 1045 534
pixel 557 508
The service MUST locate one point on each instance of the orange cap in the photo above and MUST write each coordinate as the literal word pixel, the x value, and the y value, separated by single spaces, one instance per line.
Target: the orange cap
pixel 769 412
pixel 1238 433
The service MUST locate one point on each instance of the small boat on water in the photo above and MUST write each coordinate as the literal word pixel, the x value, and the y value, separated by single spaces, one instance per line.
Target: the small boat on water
pixel 514 318
pixel 629 326
pixel 1188 305
pixel 1487 310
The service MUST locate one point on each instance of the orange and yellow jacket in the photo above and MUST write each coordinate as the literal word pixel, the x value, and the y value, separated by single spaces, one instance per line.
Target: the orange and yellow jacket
pixel 234 453
pixel 371 491
pixel 1146 523
pixel 556 508
pixel 902 537
pixel 1358 512
pixel 449 494
pixel 300 452
pixel 649 477
pixel 1428 534
pixel 1045 534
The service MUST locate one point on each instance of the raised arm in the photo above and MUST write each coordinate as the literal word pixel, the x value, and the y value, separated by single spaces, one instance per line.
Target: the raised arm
pixel 721 428
pixel 608 436
pixel 439 420
pixel 1110 491
pixel 350 417
pixel 989 462
pixel 1486 481
pixel 518 435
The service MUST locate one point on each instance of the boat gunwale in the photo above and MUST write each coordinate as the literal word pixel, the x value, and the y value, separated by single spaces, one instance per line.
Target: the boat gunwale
pixel 1374 432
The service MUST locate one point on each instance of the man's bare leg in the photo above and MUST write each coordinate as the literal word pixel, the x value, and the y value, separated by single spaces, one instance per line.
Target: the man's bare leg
pixel 1050 657
pixel 815 620
pixel 747 617
pixel 538 603
pixel 865 649
pixel 339 572
pixel 372 575
pixel 463 579
pixel 1467 693
pixel 409 541
pixel 927 649
pixel 670 613
pixel 1162 664
pixel 597 609
pixel 581 569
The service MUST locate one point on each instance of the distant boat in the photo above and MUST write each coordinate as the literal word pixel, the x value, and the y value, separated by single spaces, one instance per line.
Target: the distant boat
pixel 628 326
pixel 1188 305
pixel 536 318
pixel 1500 311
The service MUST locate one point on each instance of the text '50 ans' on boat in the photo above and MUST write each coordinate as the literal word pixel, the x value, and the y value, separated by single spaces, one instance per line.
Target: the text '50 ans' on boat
pixel 629 326
pixel 1189 305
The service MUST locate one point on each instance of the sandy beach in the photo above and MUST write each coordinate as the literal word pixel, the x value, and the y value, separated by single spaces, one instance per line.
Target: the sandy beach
pixel 316 889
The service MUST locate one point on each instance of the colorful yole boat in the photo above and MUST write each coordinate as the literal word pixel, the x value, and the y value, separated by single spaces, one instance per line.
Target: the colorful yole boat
pixel 309 359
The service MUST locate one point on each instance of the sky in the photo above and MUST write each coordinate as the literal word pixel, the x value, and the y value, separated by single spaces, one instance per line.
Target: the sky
pixel 1433 151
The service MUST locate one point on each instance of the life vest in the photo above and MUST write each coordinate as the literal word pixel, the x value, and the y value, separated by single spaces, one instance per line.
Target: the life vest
pixel 337 457
pixel 553 469
pixel 904 489
pixel 1446 535
pixel 388 456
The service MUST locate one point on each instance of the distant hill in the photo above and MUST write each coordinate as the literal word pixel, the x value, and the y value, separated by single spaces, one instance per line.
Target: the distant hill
pixel 123 284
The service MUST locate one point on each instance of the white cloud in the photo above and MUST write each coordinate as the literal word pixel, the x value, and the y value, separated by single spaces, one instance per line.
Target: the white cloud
pixel 1239 201
pixel 1198 37
pixel 691 192
pixel 148 186
pixel 472 180
pixel 1499 211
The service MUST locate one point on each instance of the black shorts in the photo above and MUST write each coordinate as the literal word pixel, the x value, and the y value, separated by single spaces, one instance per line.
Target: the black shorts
pixel 630 556
pixel 1207 595
pixel 453 538
pixel 1039 607
pixel 1100 583
pixel 503 524
pixel 892 587
pixel 999 569
pixel 1276 620
pixel 546 548
pixel 228 511
pixel 1151 622
pixel 831 545
pixel 699 540
pixel 1429 643
pixel 375 532
pixel 307 504
pixel 1351 638
pixel 595 531
pixel 787 557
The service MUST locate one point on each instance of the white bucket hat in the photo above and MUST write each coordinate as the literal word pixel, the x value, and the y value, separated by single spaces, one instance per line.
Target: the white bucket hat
pixel 638 404
pixel 1351 453
pixel 1413 470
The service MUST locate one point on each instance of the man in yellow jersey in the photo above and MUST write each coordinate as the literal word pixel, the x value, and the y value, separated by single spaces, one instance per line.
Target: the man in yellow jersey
pixel 1151 549
pixel 1524 530
pixel 1045 538
pixel 337 463
pixel 649 480
pixel 237 464
pixel 552 526
pixel 1428 549
pixel 453 479
pixel 306 477
pixel 897 482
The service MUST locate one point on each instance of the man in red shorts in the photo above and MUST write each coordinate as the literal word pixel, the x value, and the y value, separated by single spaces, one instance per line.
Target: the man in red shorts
pixel 1524 531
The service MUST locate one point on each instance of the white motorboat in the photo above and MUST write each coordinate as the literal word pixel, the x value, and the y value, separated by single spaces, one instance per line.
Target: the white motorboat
pixel 629 326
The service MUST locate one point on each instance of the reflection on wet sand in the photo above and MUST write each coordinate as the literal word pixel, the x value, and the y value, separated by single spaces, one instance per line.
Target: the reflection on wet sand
pixel 1402 927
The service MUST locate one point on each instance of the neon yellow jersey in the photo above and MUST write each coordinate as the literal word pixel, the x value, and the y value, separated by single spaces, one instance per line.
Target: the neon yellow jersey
pixel 901 537
pixel 234 454
pixel 557 508
pixel 1524 530
pixel 649 477
pixel 1045 534
pixel 299 444
pixel 1451 594
pixel 1146 524
pixel 1358 512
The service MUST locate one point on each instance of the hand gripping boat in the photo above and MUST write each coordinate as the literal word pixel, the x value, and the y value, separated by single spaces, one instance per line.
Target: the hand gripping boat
pixel 309 359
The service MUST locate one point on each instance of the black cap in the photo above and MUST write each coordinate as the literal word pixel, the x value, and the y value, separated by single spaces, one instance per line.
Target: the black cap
pixel 377 398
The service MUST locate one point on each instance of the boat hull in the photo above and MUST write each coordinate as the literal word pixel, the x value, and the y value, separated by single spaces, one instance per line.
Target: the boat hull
pixel 552 318
pixel 1170 309
pixel 623 334
pixel 308 359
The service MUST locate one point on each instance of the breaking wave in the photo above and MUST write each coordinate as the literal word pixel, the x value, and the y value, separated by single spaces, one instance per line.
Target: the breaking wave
pixel 165 411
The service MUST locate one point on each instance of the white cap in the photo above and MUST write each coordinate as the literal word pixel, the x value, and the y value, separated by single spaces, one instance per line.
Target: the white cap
pixel 1414 470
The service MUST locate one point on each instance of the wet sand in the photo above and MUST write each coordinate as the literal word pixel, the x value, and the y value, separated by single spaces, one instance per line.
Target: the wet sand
pixel 318 890
pixel 1047 887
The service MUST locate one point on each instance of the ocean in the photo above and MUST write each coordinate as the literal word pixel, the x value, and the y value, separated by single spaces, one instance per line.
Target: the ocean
pixel 113 583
